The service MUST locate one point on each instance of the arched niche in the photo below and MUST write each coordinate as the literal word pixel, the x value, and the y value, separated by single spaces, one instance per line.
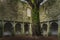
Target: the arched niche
pixel 44 27
pixel 18 28
pixel 1 29
pixel 8 29
pixel 26 28
pixel 54 28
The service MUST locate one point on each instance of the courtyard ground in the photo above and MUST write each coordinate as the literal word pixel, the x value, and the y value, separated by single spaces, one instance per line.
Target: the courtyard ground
pixel 29 38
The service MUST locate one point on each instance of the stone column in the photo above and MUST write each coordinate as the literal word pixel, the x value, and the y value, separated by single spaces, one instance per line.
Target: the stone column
pixel 3 26
pixel 59 29
pixel 30 29
pixel 22 28
pixel 1 30
pixel 48 28
pixel 14 27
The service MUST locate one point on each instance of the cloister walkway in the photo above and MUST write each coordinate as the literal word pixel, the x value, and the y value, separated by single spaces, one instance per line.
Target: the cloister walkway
pixel 29 38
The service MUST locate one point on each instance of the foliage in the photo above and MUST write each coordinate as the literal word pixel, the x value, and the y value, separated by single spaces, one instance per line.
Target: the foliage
pixel 32 1
pixel 35 15
pixel 35 9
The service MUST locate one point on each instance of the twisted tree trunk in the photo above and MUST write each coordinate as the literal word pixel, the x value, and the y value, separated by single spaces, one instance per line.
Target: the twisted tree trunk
pixel 36 21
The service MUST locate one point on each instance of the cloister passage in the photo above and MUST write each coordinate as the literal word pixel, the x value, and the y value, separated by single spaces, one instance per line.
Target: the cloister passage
pixel 1 31
pixel 44 29
pixel 26 28
pixel 8 28
pixel 54 28
pixel 18 28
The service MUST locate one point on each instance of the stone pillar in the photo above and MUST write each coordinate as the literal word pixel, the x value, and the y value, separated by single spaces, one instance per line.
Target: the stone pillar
pixel 48 28
pixel 1 29
pixel 3 26
pixel 45 32
pixel 22 28
pixel 41 28
pixel 59 29
pixel 14 27
pixel 30 29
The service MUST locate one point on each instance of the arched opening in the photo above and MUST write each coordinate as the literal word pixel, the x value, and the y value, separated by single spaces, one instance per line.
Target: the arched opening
pixel 54 29
pixel 18 28
pixel 1 30
pixel 8 29
pixel 44 29
pixel 26 28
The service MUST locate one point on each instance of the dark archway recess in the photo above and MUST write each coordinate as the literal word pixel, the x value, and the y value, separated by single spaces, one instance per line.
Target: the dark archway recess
pixel 1 30
pixel 8 27
pixel 54 29
pixel 18 27
pixel 26 27
pixel 44 27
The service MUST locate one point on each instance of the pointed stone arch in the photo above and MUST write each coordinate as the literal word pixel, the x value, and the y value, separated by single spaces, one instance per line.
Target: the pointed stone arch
pixel 44 27
pixel 26 28
pixel 54 28
pixel 18 28
pixel 8 29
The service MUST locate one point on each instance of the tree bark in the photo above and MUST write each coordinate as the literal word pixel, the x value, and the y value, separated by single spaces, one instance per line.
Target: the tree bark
pixel 36 21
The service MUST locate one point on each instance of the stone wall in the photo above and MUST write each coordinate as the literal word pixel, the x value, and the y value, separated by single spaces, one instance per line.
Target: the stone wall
pixel 50 13
pixel 13 10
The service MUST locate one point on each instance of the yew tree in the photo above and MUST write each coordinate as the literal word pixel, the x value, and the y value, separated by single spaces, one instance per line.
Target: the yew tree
pixel 35 4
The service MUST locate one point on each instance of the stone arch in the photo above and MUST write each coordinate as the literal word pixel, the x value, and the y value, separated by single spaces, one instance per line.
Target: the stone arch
pixel 54 28
pixel 18 27
pixel 44 27
pixel 26 28
pixel 1 30
pixel 8 29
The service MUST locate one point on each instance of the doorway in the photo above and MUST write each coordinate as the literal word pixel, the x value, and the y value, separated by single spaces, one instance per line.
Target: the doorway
pixel 54 29
pixel 8 29
pixel 18 28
